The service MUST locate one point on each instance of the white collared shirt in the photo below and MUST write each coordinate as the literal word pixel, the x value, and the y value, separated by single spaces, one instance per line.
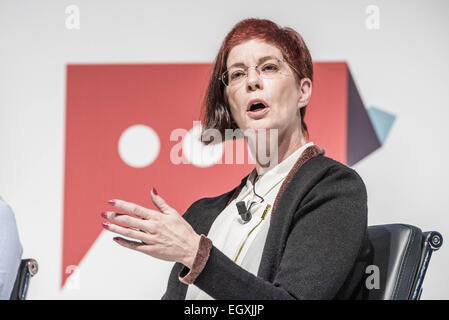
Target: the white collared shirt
pixel 244 242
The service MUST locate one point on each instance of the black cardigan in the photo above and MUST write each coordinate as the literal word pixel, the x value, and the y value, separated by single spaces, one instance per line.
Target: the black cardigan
pixel 316 245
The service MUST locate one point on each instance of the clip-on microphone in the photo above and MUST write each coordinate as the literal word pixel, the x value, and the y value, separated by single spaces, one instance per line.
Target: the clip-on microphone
pixel 243 212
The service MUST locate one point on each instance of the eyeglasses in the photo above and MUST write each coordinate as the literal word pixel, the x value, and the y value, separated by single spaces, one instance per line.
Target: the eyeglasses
pixel 271 69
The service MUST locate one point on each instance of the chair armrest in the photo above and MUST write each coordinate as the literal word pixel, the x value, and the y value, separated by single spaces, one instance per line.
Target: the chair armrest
pixel 27 269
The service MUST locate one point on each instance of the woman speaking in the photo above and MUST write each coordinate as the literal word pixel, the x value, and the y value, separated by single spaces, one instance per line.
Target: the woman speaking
pixel 296 226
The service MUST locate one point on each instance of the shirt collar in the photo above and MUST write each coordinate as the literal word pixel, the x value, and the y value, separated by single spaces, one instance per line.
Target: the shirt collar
pixel 277 173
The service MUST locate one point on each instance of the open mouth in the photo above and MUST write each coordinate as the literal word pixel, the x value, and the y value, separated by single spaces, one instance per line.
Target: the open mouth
pixel 257 106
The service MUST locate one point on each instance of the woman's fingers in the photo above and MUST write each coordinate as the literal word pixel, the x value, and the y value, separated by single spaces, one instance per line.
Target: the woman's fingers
pixel 124 219
pixel 163 234
pixel 127 232
pixel 132 208
pixel 138 246
pixel 160 203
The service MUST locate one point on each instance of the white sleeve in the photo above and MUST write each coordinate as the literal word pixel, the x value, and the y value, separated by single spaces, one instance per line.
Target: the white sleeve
pixel 10 250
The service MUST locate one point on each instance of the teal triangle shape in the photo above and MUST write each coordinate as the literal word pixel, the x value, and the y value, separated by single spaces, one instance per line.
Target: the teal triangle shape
pixel 382 122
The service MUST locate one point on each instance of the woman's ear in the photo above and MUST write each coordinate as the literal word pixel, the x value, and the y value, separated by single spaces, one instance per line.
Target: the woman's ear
pixel 305 86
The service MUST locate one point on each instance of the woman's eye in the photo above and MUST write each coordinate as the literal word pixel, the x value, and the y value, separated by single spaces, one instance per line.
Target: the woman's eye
pixel 236 75
pixel 270 67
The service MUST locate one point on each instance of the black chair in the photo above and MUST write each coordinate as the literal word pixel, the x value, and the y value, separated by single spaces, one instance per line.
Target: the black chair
pixel 27 269
pixel 401 254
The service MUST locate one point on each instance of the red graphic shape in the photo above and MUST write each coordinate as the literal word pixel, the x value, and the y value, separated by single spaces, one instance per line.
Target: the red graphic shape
pixel 326 115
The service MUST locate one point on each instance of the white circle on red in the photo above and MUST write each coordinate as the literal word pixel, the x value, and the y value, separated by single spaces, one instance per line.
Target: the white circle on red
pixel 139 146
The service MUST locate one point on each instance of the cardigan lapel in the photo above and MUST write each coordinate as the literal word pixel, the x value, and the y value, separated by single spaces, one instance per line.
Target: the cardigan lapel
pixel 308 154
pixel 283 209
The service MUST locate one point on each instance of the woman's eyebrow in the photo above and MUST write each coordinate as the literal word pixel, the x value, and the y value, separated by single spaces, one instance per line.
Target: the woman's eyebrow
pixel 261 60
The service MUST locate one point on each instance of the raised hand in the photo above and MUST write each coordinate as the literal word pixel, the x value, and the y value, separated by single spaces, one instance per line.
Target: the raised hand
pixel 162 234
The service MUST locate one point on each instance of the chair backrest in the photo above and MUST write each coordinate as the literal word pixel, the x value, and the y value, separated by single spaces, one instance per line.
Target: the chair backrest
pixel 401 254
pixel 27 269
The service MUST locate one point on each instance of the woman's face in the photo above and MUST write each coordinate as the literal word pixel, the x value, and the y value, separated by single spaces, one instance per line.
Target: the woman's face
pixel 282 95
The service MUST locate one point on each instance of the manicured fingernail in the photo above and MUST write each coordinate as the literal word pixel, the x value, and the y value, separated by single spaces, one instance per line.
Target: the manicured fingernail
pixel 116 239
pixel 104 215
pixel 105 225
pixel 154 191
pixel 111 202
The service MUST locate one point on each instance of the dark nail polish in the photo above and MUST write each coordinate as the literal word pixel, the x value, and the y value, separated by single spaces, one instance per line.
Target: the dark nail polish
pixel 105 225
pixel 104 215
pixel 111 202
pixel 116 239
pixel 155 191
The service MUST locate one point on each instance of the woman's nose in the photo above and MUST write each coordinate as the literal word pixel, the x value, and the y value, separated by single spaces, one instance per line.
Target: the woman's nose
pixel 253 80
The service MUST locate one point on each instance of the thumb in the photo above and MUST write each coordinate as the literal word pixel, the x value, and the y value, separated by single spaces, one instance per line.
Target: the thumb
pixel 160 203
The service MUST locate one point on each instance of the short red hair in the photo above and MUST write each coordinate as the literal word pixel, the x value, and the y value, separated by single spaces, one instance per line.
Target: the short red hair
pixel 216 112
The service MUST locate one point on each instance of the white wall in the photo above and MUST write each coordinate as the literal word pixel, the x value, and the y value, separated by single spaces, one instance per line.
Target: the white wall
pixel 401 68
